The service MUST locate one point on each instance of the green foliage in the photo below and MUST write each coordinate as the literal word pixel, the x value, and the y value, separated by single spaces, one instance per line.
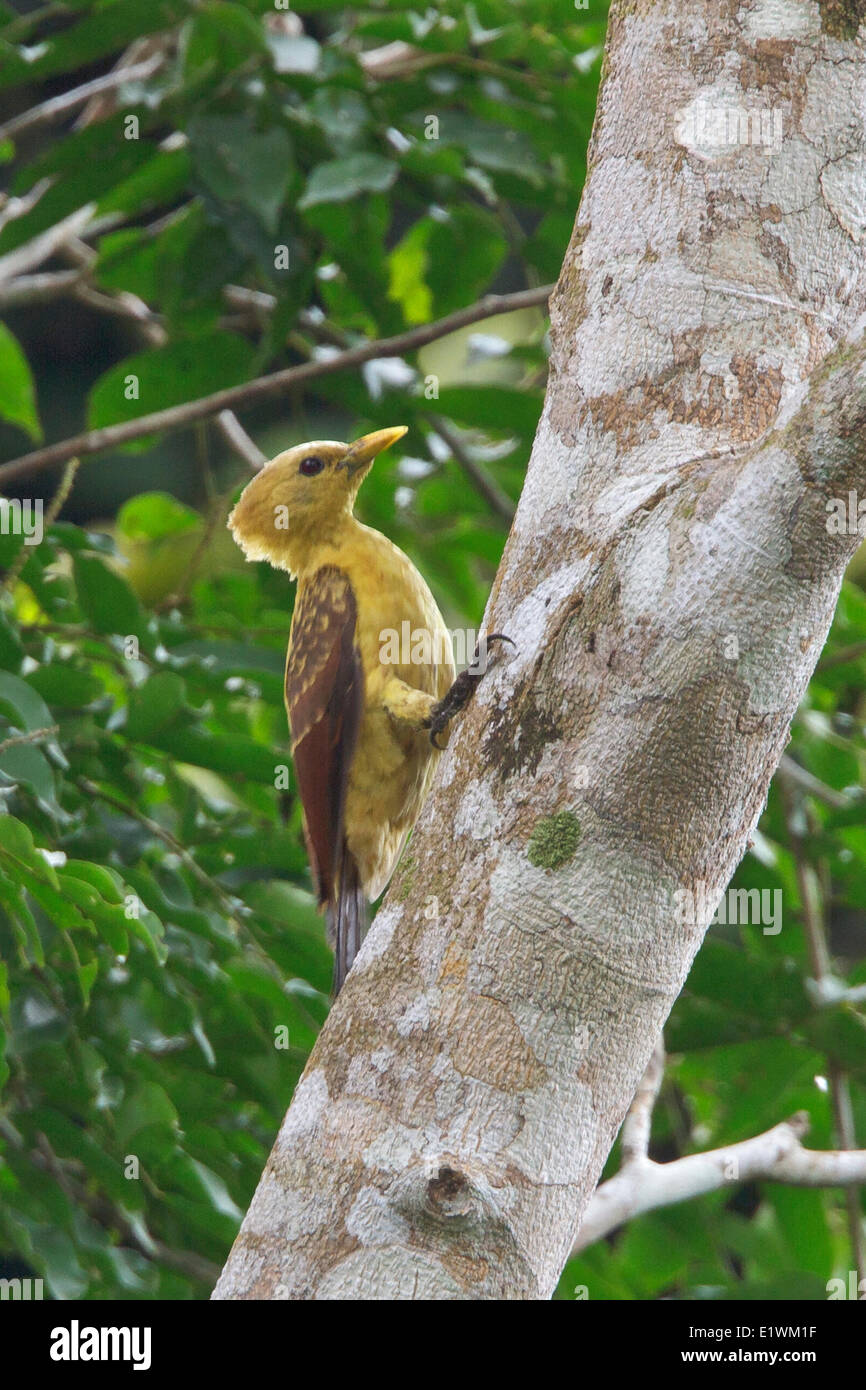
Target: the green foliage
pixel 17 394
pixel 163 972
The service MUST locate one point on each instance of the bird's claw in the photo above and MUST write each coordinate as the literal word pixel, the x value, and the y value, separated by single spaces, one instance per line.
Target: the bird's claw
pixel 462 690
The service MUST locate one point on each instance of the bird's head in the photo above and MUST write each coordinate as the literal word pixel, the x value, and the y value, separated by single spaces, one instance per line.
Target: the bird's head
pixel 302 495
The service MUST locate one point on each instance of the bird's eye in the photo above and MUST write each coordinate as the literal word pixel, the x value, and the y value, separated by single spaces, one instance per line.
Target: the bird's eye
pixel 310 466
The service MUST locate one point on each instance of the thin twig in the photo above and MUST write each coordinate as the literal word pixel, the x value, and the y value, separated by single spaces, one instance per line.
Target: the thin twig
pixel 141 50
pixel 24 24
pixel 37 289
pixel 498 500
pixel 807 783
pixel 38 250
pixel 842 656
pixel 236 436
pixel 261 387
pixel 91 789
pixel 34 736
pixel 11 208
pixel 125 305
pixel 68 101
pixel 63 490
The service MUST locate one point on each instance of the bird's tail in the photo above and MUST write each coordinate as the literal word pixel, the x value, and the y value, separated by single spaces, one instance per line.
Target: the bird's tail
pixel 347 919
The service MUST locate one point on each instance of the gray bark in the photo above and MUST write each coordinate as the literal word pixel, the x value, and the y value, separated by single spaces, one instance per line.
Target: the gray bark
pixel 669 580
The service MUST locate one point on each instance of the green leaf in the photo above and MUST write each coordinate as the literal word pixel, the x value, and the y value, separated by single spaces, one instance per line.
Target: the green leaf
pixel 26 766
pixel 148 1105
pixel 24 926
pixel 106 600
pixel 232 754
pixel 22 704
pixel 54 1255
pixel 221 37
pixel 59 908
pixel 152 516
pixel 491 407
pixel 107 917
pixel 150 930
pixel 422 264
pixel 65 686
pixel 129 260
pixel 155 705
pixel 159 181
pixel 242 166
pixel 506 151
pixel 407 270
pixel 169 375
pixel 17 391
pixel 18 850
pixel 342 179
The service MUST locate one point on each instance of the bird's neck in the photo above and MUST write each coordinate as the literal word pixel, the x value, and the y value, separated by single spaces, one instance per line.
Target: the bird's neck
pixel 310 543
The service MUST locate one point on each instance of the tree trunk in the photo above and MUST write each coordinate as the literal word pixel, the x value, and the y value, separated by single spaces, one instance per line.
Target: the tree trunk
pixel 669 581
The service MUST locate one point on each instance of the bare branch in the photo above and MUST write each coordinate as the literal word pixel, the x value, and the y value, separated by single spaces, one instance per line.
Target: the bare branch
pixel 125 305
pixel 38 250
pixel 261 387
pixel 776 1156
pixel 129 306
pixel 638 1122
pixel 840 657
pixel 803 779
pixel 234 433
pixel 67 101
pixel 37 289
pixel 398 59
pixel 12 208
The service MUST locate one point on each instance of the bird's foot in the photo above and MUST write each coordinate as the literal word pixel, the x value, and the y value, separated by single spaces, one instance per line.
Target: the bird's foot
pixel 462 690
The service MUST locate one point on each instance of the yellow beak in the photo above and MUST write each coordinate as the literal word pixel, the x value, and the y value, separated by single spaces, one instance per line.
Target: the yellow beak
pixel 365 449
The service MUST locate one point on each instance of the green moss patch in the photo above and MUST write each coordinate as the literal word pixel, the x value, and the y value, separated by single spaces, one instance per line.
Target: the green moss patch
pixel 554 840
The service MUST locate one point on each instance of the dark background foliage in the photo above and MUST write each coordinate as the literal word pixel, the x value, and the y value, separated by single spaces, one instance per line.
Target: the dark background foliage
pixel 163 972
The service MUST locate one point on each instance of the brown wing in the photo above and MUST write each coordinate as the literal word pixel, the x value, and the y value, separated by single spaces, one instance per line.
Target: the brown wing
pixel 324 699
